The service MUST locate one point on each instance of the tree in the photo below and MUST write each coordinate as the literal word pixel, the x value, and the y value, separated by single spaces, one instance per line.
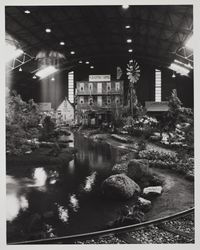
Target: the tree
pixel 22 119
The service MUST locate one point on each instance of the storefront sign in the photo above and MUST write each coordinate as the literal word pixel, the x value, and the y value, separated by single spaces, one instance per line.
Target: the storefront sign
pixel 99 78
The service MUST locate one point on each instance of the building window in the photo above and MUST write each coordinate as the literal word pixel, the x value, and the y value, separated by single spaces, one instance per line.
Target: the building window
pixel 108 100
pixel 81 100
pixel 99 87
pixel 90 101
pixel 108 86
pixel 157 85
pixel 91 87
pixel 81 86
pixel 117 100
pixel 99 100
pixel 71 86
pixel 117 86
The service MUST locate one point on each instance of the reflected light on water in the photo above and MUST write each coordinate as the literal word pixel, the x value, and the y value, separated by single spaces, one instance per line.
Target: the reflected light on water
pixel 40 176
pixel 63 213
pixel 74 202
pixel 71 167
pixel 13 207
pixel 14 204
pixel 89 182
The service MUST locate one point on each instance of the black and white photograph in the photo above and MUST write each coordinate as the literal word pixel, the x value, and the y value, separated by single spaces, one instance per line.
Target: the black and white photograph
pixel 99 123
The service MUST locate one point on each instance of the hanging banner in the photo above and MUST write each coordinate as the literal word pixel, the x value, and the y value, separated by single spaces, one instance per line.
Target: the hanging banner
pixel 99 78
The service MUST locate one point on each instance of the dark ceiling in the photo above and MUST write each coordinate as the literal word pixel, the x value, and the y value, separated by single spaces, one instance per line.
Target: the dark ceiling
pixel 98 33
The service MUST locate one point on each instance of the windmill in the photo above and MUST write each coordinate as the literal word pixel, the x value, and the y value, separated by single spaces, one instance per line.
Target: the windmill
pixel 133 73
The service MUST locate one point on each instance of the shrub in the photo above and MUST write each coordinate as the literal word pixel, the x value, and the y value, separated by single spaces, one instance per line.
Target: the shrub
pixel 22 119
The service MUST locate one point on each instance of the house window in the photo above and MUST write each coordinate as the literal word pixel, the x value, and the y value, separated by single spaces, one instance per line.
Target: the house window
pixel 99 87
pixel 108 86
pixel 82 86
pixel 81 100
pixel 91 87
pixel 117 100
pixel 157 85
pixel 108 100
pixel 90 101
pixel 99 100
pixel 71 86
pixel 117 86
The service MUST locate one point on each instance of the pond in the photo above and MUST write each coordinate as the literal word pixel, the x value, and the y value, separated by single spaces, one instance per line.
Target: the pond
pixel 45 202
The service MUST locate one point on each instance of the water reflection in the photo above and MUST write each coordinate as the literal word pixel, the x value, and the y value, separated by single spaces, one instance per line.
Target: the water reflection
pixel 90 182
pixel 62 213
pixel 14 200
pixel 40 176
pixel 74 202
pixel 71 167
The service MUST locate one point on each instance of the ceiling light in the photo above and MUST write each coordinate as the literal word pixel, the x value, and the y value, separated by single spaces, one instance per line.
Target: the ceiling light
pixel 87 62
pixel 180 69
pixel 20 69
pixel 131 61
pixel 27 12
pixel 46 72
pixel 129 40
pixel 80 61
pixel 127 26
pixel 92 67
pixel 62 43
pixel 72 52
pixel 125 6
pixel 130 50
pixel 48 30
pixel 190 43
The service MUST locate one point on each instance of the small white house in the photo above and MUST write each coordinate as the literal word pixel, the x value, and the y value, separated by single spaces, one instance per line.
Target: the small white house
pixel 65 112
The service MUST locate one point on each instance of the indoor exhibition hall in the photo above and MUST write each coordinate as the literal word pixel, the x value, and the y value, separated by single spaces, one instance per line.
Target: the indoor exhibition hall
pixel 99 108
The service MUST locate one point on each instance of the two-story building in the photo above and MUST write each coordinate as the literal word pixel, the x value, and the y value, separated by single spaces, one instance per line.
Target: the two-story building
pixel 98 100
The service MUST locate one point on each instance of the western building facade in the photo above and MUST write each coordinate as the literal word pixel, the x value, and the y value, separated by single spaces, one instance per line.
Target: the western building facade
pixel 98 101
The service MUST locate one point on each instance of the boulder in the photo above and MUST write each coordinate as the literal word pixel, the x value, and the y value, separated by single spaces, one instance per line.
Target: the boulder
pixel 120 168
pixel 137 168
pixel 151 192
pixel 144 204
pixel 120 186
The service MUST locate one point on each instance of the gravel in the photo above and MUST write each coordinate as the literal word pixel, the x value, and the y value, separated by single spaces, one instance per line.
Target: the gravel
pixel 153 234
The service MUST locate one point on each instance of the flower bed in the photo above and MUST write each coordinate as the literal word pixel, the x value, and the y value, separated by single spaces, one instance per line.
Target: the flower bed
pixel 170 161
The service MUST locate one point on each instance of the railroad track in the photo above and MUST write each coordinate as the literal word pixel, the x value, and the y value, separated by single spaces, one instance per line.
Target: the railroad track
pixel 167 230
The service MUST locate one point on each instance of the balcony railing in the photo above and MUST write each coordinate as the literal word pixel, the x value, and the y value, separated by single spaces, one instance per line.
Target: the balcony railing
pixel 104 92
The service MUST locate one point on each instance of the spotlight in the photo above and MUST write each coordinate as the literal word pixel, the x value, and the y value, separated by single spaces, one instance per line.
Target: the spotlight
pixel 72 52
pixel 62 43
pixel 53 79
pixel 20 69
pixel 92 67
pixel 87 62
pixel 130 50
pixel 127 26
pixel 48 30
pixel 80 61
pixel 34 77
pixel 129 40
pixel 46 72
pixel 125 6
pixel 173 76
pixel 27 12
